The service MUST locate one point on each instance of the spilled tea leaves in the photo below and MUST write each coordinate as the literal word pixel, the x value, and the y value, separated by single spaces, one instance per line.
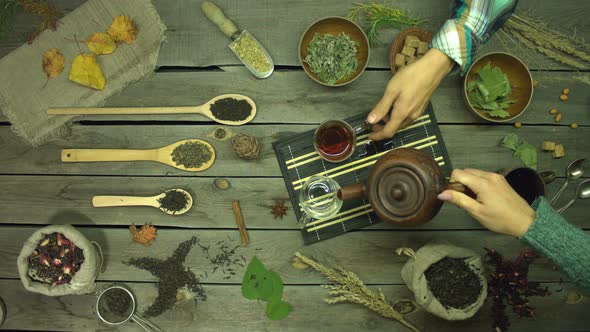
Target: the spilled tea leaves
pixel 172 276
pixel 259 283
pixel 332 57
pixel 523 150
pixel 191 154
pixel 489 91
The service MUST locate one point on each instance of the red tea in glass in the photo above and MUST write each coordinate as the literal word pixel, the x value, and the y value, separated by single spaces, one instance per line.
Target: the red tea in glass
pixel 335 140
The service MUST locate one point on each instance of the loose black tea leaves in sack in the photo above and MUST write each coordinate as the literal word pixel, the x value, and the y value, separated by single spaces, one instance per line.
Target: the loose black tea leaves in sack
pixel 174 201
pixel 191 154
pixel 55 260
pixel 453 283
pixel 231 109
pixel 172 276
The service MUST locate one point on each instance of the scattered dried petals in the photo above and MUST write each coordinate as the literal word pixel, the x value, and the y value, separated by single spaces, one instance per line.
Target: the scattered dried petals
pixel 101 43
pixel 53 63
pixel 86 71
pixel 56 262
pixel 146 235
pixel 123 29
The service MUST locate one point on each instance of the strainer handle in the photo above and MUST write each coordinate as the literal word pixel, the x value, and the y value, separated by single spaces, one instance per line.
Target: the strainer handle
pixel 145 323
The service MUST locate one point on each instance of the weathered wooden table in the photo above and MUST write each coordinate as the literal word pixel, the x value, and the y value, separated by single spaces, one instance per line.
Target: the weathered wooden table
pixel 195 65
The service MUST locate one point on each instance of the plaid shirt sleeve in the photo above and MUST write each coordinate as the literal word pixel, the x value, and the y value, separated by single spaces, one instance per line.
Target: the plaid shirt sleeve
pixel 472 23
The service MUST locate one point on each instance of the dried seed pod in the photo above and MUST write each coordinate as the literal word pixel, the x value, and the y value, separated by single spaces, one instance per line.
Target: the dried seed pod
pixel 558 117
pixel 222 184
pixel 246 146
pixel 553 111
pixel 574 125
pixel 563 97
pixel 566 91
pixel 517 125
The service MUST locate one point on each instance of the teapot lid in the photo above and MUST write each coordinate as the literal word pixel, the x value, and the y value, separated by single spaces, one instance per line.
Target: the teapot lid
pixel 400 191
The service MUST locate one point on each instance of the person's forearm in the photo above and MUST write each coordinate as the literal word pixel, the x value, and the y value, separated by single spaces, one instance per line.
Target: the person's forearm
pixel 564 244
pixel 472 23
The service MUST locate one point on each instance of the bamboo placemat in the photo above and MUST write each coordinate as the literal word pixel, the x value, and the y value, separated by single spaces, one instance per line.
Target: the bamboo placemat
pixel 299 161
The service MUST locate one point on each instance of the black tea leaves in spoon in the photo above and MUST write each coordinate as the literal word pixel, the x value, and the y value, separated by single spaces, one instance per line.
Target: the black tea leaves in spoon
pixel 174 201
pixel 231 109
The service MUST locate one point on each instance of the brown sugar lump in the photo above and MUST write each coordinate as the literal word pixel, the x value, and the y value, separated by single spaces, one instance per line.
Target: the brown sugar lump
pixel 410 60
pixel 400 60
pixel 409 51
pixel 412 41
pixel 548 146
pixel 559 151
pixel 422 48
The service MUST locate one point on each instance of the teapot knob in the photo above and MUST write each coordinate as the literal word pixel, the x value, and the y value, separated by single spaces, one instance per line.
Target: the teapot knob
pixel 397 193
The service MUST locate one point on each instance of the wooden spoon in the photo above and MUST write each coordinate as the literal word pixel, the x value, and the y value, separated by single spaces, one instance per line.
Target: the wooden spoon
pixel 162 155
pixel 204 109
pixel 108 201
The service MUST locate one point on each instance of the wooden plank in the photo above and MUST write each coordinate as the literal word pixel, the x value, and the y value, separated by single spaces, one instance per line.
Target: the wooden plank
pixel 279 102
pixel 226 310
pixel 370 254
pixel 469 146
pixel 279 27
pixel 66 199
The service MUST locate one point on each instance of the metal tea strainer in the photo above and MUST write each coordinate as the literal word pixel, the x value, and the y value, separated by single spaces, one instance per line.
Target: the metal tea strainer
pixel 116 305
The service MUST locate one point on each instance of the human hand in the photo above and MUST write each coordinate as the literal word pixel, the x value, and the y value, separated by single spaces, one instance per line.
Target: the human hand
pixel 498 207
pixel 409 92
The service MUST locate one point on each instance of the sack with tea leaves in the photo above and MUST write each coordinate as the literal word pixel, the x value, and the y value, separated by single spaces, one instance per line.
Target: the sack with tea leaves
pixel 447 281
pixel 58 260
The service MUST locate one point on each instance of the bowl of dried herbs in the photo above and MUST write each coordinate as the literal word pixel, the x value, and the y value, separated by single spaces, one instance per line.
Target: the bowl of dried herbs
pixel 498 87
pixel 334 51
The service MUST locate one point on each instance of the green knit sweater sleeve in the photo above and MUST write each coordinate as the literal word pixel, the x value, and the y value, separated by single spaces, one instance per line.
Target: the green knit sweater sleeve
pixel 565 244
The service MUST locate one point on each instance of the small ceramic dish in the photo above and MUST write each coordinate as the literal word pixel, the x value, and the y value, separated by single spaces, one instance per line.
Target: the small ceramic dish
pixel 520 79
pixel 399 42
pixel 336 25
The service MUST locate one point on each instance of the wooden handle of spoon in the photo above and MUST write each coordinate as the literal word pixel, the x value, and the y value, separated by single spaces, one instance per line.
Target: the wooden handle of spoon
pixel 106 201
pixel 124 110
pixel 92 155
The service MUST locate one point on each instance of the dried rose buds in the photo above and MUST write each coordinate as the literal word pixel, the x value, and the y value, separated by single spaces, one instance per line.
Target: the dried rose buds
pixel 55 260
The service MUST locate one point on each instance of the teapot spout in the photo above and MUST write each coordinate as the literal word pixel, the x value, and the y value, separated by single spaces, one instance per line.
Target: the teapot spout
pixel 354 191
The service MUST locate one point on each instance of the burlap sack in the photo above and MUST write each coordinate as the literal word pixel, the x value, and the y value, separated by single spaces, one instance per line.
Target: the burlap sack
pixel 25 93
pixel 83 280
pixel 420 261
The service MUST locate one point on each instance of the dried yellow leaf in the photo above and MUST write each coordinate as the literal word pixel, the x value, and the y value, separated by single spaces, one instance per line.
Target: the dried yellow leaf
pixel 53 63
pixel 123 29
pixel 101 43
pixel 86 71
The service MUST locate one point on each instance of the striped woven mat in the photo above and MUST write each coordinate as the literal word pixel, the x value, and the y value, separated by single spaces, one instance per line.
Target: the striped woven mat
pixel 299 161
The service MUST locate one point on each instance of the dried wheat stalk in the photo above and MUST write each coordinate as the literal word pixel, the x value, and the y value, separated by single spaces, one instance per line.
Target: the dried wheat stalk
pixel 349 288
pixel 537 35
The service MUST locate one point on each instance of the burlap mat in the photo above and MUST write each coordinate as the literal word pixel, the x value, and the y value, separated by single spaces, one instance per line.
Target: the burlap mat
pixel 25 93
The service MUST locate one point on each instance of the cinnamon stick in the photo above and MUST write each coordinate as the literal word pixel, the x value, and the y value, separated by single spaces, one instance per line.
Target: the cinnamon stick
pixel 240 222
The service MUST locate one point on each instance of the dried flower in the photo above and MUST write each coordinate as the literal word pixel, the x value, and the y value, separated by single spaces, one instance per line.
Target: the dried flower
pixel 509 285
pixel 245 146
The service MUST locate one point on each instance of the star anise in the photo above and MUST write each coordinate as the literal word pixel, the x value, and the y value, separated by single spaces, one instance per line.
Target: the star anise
pixel 279 209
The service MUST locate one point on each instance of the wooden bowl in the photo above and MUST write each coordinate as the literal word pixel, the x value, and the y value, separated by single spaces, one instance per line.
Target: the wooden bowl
pixel 520 79
pixel 335 25
pixel 398 44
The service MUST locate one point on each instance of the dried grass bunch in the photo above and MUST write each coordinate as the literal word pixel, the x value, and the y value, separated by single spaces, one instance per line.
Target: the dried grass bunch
pixel 348 288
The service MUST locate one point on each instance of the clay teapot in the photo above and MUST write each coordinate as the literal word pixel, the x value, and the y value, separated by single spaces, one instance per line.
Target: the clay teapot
pixel 402 187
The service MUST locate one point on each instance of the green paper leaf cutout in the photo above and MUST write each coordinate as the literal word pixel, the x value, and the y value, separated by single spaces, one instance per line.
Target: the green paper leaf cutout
pixel 277 310
pixel 527 154
pixel 277 286
pixel 252 281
